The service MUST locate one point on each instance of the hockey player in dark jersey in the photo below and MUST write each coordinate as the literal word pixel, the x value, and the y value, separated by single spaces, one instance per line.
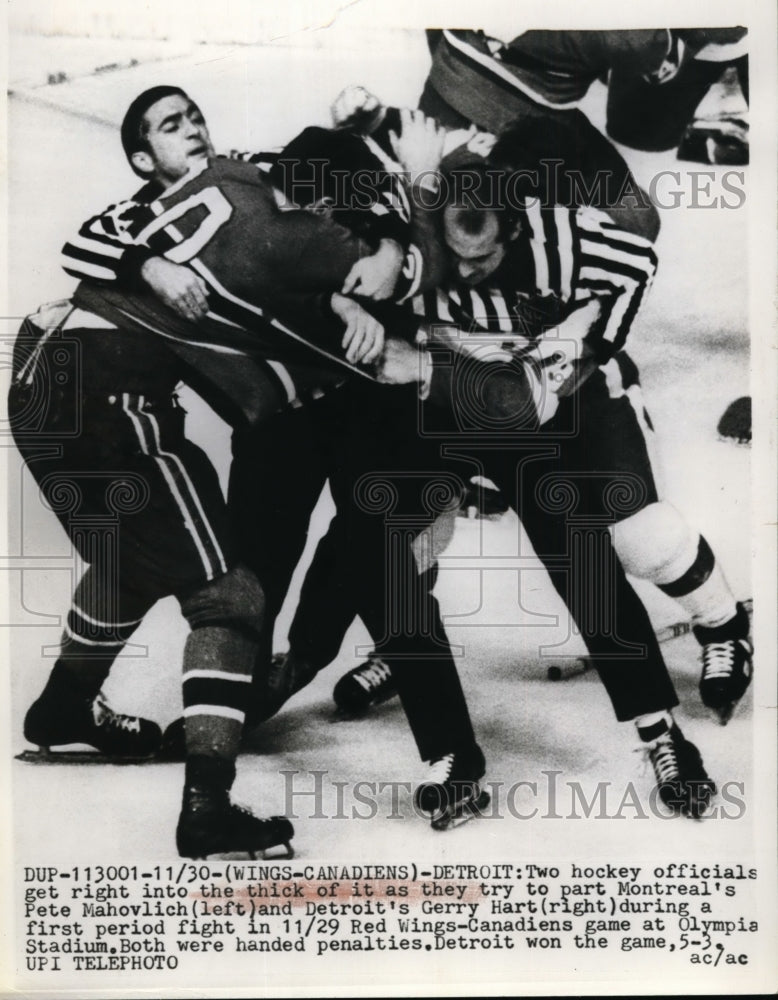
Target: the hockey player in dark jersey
pixel 114 454
pixel 656 79
pixel 274 258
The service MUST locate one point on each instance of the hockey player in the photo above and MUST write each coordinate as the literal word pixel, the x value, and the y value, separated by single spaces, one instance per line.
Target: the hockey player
pixel 277 257
pixel 125 428
pixel 541 77
pixel 114 448
pixel 655 542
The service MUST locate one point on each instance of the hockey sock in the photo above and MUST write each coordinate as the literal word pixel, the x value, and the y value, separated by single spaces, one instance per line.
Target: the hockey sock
pixel 218 661
pixel 209 774
pixel 702 590
pixel 651 726
pixel 99 624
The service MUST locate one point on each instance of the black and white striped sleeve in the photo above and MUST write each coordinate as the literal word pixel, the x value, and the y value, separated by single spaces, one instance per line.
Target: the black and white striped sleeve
pixel 614 266
pixel 105 248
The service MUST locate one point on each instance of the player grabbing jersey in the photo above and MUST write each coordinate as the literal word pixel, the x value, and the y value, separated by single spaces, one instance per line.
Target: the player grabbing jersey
pixel 208 221
pixel 643 695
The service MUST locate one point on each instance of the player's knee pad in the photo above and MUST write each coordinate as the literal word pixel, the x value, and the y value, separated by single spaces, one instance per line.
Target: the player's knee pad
pixel 234 600
pixel 656 543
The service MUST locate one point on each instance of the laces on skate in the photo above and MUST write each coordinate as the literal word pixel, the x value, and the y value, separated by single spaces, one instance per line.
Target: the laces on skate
pixel 373 675
pixel 727 663
pixel 440 770
pixel 70 728
pixel 104 715
pixel 664 761
pixel 726 673
pixel 451 794
pixel 681 779
pixel 371 683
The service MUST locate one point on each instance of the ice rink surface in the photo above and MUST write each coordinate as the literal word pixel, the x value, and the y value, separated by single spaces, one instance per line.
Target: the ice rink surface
pixel 692 345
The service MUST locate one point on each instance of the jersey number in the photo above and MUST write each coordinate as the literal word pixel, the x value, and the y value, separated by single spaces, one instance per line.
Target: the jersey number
pixel 219 211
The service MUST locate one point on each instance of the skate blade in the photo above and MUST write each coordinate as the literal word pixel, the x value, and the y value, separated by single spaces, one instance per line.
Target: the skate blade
pixel 48 755
pixel 699 809
pixel 287 855
pixel 724 715
pixel 727 712
pixel 264 855
pixel 466 811
pixel 698 815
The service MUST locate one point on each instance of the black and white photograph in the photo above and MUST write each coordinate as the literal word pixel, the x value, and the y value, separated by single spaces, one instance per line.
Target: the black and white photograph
pixel 390 498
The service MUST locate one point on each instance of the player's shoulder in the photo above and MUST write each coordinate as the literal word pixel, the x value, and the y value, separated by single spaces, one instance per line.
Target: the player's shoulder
pixel 226 168
pixel 232 177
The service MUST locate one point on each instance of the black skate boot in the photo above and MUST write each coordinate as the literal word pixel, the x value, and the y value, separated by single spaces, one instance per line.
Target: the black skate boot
pixel 363 687
pixel 63 716
pixel 211 824
pixel 286 675
pixel 450 795
pixel 682 781
pixel 727 664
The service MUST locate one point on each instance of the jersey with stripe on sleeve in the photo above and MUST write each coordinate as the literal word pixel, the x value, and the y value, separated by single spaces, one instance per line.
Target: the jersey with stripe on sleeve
pixel 268 273
pixel 224 219
pixel 561 260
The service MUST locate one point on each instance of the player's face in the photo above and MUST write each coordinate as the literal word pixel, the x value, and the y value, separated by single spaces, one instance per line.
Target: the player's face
pixel 474 255
pixel 177 139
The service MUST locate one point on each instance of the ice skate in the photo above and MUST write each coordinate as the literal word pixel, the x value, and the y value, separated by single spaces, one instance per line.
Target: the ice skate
pixel 61 721
pixel 211 824
pixel 683 783
pixel 363 687
pixel 727 664
pixel 450 794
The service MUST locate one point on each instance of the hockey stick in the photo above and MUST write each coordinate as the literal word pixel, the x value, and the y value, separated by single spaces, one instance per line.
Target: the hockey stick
pixel 579 666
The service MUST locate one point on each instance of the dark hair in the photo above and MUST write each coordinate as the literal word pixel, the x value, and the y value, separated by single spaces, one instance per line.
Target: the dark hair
pixel 132 130
pixel 474 191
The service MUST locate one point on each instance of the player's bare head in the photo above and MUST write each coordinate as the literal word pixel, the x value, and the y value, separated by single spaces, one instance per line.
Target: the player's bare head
pixel 478 223
pixel 164 135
